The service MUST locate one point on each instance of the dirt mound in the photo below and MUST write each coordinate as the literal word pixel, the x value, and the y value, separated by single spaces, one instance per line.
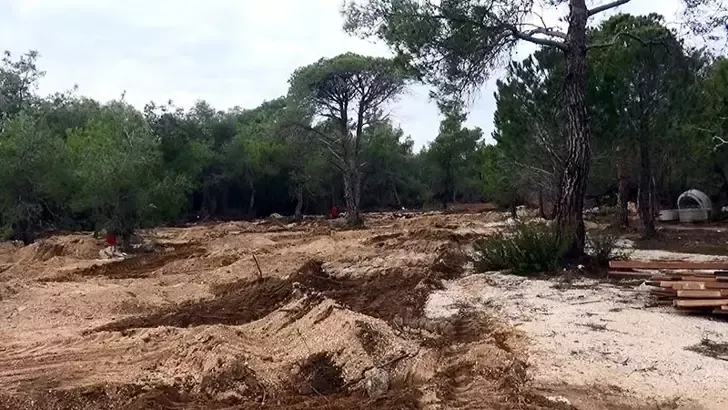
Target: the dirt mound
pixel 395 294
pixel 318 374
pixel 235 304
pixel 41 251
pixel 197 264
pixel 133 267
pixel 7 291
pixel 450 261
pixel 141 397
pixel 231 382
pixel 74 246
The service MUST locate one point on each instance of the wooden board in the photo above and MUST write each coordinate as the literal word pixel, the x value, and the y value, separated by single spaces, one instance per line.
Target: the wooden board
pixel 693 285
pixel 665 292
pixel 700 294
pixel 684 285
pixel 691 278
pixel 631 274
pixel 668 265
pixel 688 303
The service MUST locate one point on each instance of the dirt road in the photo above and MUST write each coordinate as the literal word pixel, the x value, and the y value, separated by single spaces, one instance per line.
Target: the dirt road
pixel 334 319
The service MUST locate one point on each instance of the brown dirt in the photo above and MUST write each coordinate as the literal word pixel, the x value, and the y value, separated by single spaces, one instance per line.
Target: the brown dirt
pixel 194 328
pixel 689 240
pixel 319 375
pixel 237 304
pixel 393 295
pixel 132 267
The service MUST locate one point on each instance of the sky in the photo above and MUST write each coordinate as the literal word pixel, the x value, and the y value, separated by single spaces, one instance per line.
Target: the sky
pixel 227 52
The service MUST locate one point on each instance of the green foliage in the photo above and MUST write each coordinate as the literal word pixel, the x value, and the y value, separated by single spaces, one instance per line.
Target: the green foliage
pixel 524 249
pixel 18 81
pixel 117 166
pixel 32 175
pixel 529 130
pixel 455 157
pixel 390 173
pixel 645 85
pixel 345 96
pixel 602 247
pixel 500 177
pixel 454 45
pixel 71 162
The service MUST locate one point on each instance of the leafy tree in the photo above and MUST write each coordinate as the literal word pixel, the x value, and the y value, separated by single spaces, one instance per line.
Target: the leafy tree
pixel 256 151
pixel 649 80
pixel 454 153
pixel 456 44
pixel 116 159
pixel 32 176
pixel 499 184
pixel 529 123
pixel 186 151
pixel 390 178
pixel 18 82
pixel 348 94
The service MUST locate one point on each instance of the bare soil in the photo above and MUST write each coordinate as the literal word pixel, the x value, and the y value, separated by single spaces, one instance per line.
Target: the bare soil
pixel 698 238
pixel 194 325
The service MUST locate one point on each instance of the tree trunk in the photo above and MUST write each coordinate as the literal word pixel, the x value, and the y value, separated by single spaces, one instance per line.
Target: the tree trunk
pixel 623 193
pixel 541 207
pixel 298 215
pixel 352 191
pixel 647 212
pixel 569 219
pixel 396 194
pixel 251 202
pixel 224 197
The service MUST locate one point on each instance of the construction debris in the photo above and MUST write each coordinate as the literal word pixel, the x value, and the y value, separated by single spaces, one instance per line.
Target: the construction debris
pixel 679 283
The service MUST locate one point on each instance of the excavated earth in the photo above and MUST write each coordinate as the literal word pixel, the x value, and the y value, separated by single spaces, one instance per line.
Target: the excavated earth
pixel 266 315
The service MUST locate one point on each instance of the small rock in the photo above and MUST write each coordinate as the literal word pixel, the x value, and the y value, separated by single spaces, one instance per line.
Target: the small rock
pixel 376 381
pixel 559 400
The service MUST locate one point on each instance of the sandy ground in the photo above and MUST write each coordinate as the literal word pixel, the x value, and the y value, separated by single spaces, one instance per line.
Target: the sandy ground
pixel 331 317
pixel 586 332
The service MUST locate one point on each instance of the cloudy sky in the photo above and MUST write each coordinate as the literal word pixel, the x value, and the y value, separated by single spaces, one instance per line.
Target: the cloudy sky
pixel 228 52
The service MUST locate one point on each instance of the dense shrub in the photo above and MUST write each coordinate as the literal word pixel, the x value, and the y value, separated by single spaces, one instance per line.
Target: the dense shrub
pixel 525 248
pixel 602 247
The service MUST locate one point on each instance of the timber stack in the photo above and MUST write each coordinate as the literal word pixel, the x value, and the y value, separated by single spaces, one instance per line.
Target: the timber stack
pixel 695 286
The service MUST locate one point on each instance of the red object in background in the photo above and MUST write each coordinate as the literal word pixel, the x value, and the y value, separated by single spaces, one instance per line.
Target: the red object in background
pixel 111 240
pixel 334 212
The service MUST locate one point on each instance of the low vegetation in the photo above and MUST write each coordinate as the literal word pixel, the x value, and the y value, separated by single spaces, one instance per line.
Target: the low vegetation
pixel 524 249
pixel 602 246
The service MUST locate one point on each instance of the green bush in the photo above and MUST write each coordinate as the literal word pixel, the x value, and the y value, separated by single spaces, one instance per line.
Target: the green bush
pixel 602 246
pixel 524 249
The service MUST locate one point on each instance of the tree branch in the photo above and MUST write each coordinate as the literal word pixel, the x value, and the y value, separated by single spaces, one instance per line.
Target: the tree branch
pixel 632 36
pixel 547 32
pixel 536 40
pixel 607 6
pixel 720 142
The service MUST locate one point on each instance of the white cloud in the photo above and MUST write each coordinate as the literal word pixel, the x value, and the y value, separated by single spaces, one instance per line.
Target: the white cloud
pixel 228 52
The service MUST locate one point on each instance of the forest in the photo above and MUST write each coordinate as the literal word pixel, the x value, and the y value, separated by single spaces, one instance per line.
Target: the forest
pixel 656 106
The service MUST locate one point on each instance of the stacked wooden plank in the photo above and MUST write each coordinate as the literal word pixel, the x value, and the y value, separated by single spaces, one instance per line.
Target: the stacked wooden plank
pixel 687 285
